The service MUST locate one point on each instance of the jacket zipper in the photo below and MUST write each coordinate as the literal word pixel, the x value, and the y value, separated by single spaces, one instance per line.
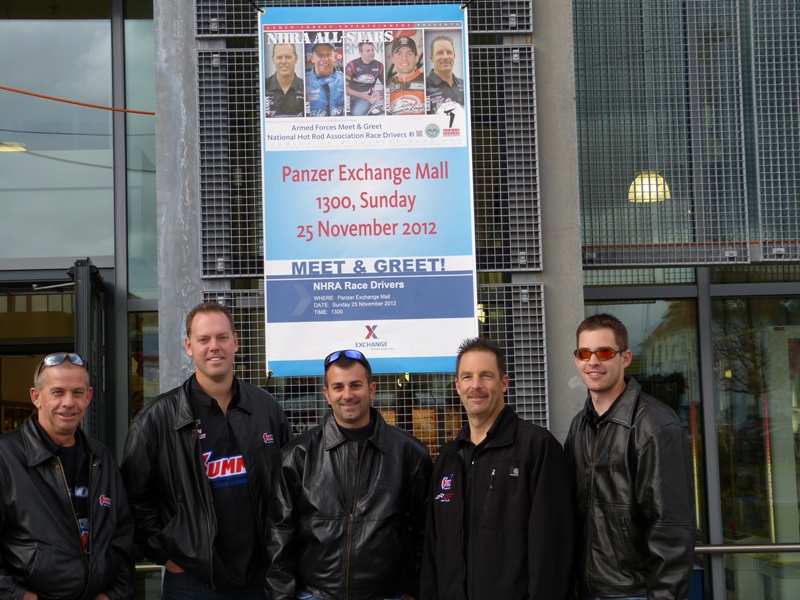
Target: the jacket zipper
pixel 598 429
pixel 205 510
pixel 473 460
pixel 60 469
pixel 352 518
pixel 491 489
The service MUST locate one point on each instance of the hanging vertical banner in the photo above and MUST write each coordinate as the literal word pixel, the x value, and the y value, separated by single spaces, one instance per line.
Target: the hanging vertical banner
pixel 368 217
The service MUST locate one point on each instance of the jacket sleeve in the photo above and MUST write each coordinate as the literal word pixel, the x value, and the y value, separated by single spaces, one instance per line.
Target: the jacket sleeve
pixel 420 490
pixel 283 524
pixel 551 528
pixel 10 586
pixel 139 475
pixel 285 428
pixel 665 493
pixel 122 586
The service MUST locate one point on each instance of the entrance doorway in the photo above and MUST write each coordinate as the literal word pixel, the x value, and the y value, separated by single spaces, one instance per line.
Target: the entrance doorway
pixel 37 319
pixel 33 323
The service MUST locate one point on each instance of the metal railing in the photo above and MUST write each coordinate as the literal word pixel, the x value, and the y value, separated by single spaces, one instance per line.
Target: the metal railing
pixel 704 549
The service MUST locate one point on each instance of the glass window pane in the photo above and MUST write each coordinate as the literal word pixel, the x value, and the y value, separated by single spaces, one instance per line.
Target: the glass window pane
pixel 65 170
pixel 663 338
pixel 141 140
pixel 757 389
pixel 762 576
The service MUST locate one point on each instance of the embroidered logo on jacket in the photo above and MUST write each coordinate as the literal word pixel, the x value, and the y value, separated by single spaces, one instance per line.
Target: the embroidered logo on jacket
pixel 269 438
pixel 446 484
pixel 105 500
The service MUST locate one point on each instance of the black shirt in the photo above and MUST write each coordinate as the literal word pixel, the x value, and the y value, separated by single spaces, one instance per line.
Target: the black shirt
pixel 75 463
pixel 284 104
pixel 441 94
pixel 238 557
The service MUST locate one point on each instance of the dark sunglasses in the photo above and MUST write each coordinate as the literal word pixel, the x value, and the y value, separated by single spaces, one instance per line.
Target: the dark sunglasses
pixel 55 359
pixel 600 353
pixel 354 354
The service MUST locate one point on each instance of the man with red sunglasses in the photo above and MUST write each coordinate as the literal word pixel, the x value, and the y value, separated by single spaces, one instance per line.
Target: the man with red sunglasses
pixel 348 517
pixel 633 478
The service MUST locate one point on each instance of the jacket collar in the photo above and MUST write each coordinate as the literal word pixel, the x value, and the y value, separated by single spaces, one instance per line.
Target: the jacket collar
pixel 501 433
pixel 39 447
pixel 332 437
pixel 183 412
pixel 624 407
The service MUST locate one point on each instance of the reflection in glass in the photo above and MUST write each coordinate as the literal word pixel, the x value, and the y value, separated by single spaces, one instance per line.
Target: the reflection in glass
pixel 143 355
pixel 663 338
pixel 761 577
pixel 61 187
pixel 756 372
pixel 141 142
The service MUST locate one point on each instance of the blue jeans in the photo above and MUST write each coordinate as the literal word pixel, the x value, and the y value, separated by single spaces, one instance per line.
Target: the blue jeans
pixel 358 108
pixel 182 586
pixel 307 596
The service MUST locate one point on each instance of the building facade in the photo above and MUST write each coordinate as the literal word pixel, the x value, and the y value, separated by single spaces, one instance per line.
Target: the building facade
pixel 630 156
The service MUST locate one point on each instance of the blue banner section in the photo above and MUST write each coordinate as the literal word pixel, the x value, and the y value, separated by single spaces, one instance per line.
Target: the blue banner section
pixel 418 364
pixel 357 299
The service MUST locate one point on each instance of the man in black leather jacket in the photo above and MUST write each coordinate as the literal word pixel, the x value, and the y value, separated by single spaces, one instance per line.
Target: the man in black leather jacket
pixel 633 475
pixel 65 527
pixel 348 518
pixel 198 466
pixel 500 520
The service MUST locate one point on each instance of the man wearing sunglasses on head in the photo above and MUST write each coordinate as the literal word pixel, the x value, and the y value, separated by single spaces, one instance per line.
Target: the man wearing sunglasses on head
pixel 65 527
pixel 348 518
pixel 198 465
pixel 633 478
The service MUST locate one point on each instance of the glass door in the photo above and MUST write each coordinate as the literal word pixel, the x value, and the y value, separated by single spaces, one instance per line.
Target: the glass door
pixel 90 340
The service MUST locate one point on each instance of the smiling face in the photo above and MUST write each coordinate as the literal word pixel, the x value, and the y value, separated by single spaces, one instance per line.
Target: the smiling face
pixel 212 344
pixel 324 60
pixel 605 379
pixel 284 57
pixel 349 394
pixel 367 52
pixel 405 61
pixel 61 401
pixel 481 386
pixel 443 56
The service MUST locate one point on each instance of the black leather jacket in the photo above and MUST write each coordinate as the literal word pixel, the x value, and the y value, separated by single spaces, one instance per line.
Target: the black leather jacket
pixel 519 541
pixel 168 490
pixel 345 526
pixel 635 499
pixel 40 542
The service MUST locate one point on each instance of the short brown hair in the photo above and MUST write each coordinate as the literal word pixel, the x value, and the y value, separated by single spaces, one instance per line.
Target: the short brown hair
pixel 480 344
pixel 210 306
pixel 604 321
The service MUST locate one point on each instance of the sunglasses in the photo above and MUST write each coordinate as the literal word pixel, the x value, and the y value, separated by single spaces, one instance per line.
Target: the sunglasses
pixel 353 354
pixel 601 353
pixel 55 359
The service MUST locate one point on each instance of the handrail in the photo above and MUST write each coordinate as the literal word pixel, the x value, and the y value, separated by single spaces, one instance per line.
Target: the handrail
pixel 147 567
pixel 704 549
pixel 746 548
